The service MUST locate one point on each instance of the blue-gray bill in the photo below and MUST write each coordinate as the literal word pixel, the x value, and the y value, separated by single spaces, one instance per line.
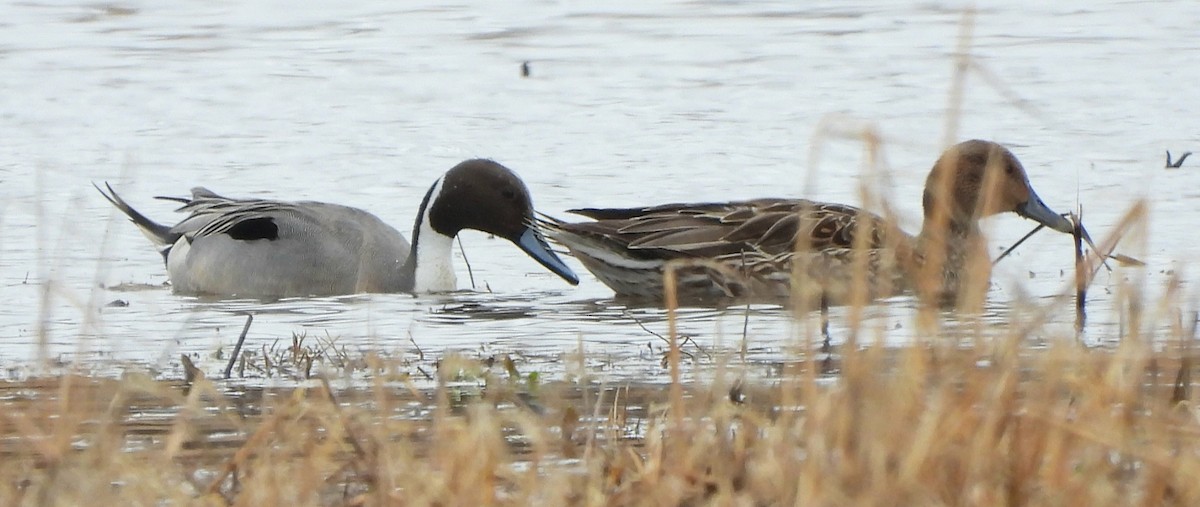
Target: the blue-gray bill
pixel 535 246
pixel 1036 210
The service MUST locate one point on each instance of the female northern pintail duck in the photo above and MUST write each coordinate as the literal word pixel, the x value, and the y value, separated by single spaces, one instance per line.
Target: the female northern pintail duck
pixel 265 248
pixel 758 248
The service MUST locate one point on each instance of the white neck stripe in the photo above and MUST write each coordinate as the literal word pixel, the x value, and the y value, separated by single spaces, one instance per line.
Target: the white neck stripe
pixel 435 269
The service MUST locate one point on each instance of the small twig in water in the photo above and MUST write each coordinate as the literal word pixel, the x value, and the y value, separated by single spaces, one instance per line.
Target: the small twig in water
pixel 1081 275
pixel 420 353
pixel 643 326
pixel 688 339
pixel 1017 244
pixel 1123 259
pixel 827 346
pixel 745 333
pixel 685 338
pixel 237 349
pixel 190 373
pixel 470 274
pixel 1178 163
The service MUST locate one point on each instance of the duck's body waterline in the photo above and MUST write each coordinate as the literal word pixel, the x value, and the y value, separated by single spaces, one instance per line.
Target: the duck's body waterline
pixel 779 248
pixel 265 248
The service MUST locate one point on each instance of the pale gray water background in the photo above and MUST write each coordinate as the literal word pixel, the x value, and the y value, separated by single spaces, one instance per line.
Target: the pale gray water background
pixel 367 102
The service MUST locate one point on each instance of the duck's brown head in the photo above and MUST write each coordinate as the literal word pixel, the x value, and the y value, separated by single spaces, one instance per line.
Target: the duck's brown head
pixel 975 179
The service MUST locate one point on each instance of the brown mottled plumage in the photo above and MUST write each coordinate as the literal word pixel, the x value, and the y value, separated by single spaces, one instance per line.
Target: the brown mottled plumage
pixel 760 248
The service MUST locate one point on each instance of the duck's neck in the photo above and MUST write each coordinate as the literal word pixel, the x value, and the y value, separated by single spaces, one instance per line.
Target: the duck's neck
pixel 953 260
pixel 429 266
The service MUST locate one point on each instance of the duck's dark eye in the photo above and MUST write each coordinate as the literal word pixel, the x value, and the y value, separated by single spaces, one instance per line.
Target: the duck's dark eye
pixel 508 193
pixel 1008 169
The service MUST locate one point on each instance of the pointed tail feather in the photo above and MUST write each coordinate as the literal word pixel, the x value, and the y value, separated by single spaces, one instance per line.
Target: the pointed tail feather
pixel 159 234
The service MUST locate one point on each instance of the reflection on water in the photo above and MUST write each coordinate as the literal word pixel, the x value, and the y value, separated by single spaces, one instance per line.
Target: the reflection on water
pixel 627 103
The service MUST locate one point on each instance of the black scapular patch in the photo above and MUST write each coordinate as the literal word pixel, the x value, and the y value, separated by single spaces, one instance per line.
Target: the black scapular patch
pixel 255 228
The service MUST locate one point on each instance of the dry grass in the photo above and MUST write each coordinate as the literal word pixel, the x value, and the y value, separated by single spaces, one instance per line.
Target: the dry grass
pixel 995 423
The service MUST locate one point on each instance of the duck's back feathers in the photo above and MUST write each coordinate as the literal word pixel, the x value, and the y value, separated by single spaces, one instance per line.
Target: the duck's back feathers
pixel 263 247
pixel 268 248
pixel 708 230
pixel 742 248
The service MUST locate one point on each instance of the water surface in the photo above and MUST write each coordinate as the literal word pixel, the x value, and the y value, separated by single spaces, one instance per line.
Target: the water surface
pixel 366 103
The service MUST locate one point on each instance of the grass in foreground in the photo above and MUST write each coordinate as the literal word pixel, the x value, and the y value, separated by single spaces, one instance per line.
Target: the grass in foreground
pixel 994 424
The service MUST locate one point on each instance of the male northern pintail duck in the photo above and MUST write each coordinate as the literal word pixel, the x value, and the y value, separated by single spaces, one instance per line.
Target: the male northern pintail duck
pixel 757 249
pixel 266 248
